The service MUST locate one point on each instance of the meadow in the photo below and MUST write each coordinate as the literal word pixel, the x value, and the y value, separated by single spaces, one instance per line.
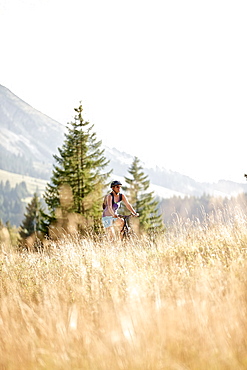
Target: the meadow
pixel 33 184
pixel 177 301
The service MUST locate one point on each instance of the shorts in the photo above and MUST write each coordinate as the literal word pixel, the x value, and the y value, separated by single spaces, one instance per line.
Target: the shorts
pixel 107 221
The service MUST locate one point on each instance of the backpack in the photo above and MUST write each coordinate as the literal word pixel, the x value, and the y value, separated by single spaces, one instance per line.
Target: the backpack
pixel 104 203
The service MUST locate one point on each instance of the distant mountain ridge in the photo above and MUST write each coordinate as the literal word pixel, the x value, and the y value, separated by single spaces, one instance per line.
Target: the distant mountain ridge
pixel 26 131
pixel 29 139
pixel 166 183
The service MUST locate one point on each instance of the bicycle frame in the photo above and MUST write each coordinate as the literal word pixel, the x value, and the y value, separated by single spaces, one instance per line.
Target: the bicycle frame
pixel 126 229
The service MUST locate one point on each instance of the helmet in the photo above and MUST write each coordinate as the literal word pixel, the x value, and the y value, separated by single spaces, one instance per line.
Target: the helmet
pixel 114 183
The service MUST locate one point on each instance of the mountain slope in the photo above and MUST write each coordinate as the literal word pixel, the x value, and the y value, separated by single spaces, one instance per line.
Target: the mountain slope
pixel 27 132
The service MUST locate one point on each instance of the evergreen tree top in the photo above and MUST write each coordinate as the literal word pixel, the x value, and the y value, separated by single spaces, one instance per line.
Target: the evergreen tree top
pixel 79 168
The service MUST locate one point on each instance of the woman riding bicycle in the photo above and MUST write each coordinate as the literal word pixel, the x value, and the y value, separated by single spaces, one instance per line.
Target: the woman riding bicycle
pixel 110 218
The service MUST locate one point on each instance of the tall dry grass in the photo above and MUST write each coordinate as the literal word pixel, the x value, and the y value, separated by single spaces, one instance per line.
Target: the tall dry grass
pixel 178 302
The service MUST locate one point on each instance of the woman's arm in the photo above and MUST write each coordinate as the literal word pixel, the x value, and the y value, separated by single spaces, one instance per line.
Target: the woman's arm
pixel 129 206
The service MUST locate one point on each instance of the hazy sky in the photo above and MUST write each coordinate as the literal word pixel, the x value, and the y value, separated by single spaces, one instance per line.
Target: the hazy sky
pixel 162 80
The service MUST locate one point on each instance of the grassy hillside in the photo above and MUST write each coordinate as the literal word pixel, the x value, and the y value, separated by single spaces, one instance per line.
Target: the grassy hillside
pixel 32 183
pixel 177 303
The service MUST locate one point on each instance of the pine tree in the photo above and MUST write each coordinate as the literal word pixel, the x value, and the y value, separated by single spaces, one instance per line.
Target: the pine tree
pixel 78 179
pixel 32 218
pixel 143 201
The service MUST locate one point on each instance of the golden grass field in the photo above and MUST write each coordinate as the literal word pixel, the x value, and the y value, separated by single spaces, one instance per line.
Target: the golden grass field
pixel 177 303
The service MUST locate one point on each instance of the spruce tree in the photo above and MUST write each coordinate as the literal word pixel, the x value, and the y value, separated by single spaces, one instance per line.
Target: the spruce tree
pixel 32 218
pixel 143 201
pixel 78 179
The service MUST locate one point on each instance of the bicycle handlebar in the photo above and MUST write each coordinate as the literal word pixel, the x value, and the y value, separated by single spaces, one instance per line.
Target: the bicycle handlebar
pixel 128 216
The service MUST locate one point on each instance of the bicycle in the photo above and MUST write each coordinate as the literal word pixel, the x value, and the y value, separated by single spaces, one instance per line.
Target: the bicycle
pixel 127 232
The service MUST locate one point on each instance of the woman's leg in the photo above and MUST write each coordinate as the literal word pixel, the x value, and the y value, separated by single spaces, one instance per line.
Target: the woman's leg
pixel 118 225
pixel 110 232
pixel 113 231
